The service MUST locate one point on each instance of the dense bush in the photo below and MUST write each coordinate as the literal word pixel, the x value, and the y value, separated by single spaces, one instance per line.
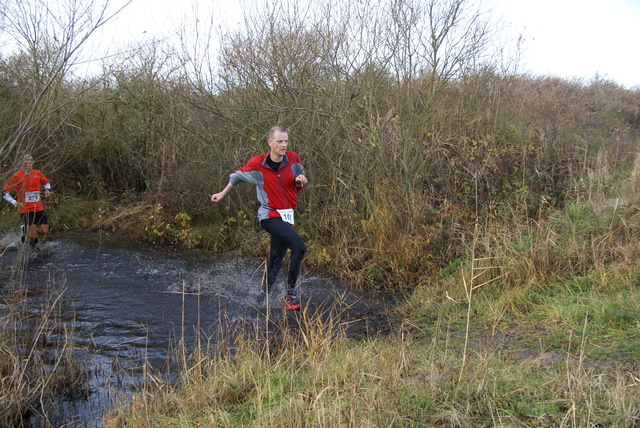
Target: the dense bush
pixel 408 132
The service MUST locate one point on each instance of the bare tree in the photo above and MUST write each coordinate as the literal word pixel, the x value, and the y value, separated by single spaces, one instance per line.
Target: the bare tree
pixel 46 40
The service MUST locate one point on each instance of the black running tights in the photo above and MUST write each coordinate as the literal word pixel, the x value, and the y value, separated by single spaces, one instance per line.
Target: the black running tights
pixel 283 237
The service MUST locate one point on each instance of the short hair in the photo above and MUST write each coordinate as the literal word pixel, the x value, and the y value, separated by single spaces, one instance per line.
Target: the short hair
pixel 273 130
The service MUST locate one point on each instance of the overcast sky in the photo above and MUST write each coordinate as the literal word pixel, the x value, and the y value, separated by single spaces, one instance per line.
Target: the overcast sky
pixel 579 38
pixel 566 38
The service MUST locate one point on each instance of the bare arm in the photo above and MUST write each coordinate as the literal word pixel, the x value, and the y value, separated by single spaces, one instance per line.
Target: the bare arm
pixel 216 197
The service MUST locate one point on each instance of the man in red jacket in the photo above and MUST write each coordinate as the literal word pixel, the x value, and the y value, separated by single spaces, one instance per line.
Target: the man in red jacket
pixel 26 184
pixel 278 176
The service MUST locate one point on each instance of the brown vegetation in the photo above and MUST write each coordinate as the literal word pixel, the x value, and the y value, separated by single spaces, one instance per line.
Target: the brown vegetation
pixel 418 145
pixel 408 153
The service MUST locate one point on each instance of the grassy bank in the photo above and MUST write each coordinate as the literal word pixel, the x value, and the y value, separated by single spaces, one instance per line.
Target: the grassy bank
pixel 395 382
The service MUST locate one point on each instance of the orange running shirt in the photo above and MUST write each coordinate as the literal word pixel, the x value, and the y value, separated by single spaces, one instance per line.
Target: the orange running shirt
pixel 27 188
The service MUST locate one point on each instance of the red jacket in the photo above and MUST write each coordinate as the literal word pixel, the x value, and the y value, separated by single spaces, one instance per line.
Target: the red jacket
pixel 275 190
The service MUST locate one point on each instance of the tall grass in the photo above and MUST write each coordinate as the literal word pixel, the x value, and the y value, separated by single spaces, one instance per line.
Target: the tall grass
pixel 316 377
pixel 38 361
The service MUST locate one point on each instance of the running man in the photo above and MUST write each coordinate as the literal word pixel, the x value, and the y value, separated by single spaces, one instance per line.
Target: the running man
pixel 26 185
pixel 278 176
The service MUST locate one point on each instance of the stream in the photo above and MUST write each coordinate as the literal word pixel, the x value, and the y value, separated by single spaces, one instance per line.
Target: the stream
pixel 129 305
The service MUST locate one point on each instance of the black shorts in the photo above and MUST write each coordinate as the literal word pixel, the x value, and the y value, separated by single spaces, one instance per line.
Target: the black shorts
pixel 37 217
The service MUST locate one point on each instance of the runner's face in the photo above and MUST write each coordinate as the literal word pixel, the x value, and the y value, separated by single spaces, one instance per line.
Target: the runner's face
pixel 279 144
pixel 26 163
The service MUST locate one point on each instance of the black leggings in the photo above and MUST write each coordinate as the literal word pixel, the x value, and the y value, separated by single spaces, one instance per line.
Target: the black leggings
pixel 283 237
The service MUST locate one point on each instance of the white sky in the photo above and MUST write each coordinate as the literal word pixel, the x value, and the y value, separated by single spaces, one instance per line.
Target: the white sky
pixel 579 38
pixel 566 38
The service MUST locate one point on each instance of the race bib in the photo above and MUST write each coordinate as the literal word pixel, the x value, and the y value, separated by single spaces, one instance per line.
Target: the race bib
pixel 287 215
pixel 30 197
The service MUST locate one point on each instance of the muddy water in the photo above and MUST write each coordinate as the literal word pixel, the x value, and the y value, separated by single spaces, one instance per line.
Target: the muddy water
pixel 129 306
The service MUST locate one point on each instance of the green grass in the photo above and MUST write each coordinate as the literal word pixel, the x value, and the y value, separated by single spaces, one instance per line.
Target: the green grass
pixel 392 382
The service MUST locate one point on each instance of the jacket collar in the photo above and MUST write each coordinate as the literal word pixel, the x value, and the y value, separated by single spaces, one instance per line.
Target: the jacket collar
pixel 285 161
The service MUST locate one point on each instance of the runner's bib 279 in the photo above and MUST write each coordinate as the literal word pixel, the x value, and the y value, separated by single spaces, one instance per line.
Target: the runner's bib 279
pixel 287 215
pixel 30 197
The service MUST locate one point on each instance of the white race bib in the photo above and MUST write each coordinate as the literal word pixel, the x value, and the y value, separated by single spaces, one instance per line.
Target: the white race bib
pixel 31 197
pixel 287 215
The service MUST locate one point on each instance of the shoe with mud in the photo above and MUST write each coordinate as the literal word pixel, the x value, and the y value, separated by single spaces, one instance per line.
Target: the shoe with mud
pixel 291 303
